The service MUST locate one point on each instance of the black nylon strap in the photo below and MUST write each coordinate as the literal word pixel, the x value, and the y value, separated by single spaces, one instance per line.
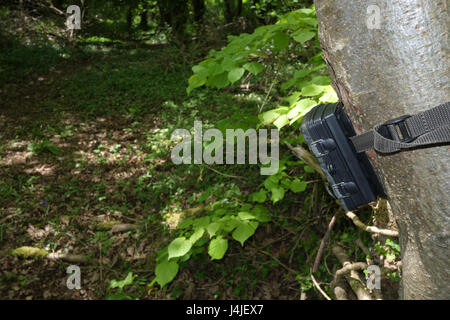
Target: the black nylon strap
pixel 428 127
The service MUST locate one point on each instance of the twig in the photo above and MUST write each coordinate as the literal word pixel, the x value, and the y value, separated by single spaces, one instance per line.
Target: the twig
pixel 125 227
pixel 277 260
pixel 316 284
pixel 267 96
pixel 350 267
pixel 372 229
pixel 307 157
pixel 353 278
pixel 323 242
pixel 9 217
pixel 223 174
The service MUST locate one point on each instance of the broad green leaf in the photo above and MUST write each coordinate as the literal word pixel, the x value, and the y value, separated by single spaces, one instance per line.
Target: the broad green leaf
pixel 286 85
pixel 277 194
pixel 246 215
pixel 165 272
pixel 217 248
pixel 185 223
pixel 301 73
pixel 305 10
pixel 228 223
pixel 302 36
pixel 313 90
pixel 281 121
pixel 220 81
pixel 260 196
pixel 272 115
pixel 125 282
pixel 244 231
pixel 301 108
pixel 261 213
pixel 254 67
pixel 196 235
pixel 213 228
pixel 228 64
pixel 293 97
pixel 235 74
pixel 201 71
pixel 271 182
pixel 179 247
pixel 212 67
pixel 196 81
pixel 321 80
pixel 308 21
pixel 202 222
pixel 329 95
pixel 280 41
pixel 298 186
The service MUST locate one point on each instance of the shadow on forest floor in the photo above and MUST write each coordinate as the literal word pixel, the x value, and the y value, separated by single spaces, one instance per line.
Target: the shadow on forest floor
pixel 89 143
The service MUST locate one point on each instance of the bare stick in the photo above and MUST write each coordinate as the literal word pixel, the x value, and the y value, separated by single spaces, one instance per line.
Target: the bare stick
pixel 306 156
pixel 353 278
pixel 316 284
pixel 323 243
pixel 223 174
pixel 371 229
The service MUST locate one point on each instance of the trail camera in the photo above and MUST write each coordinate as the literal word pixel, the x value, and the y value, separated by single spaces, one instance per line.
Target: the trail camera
pixel 352 179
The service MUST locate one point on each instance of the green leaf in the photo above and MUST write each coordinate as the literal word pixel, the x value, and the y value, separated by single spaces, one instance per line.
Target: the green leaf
pixel 302 36
pixel 228 64
pixel 272 115
pixel 246 215
pixel 254 67
pixel 298 186
pixel 179 247
pixel 301 73
pixel 261 213
pixel 281 121
pixel 235 74
pixel 196 81
pixel 260 196
pixel 217 248
pixel 202 222
pixel 120 284
pixel 280 41
pixel 313 90
pixel 271 182
pixel 301 108
pixel 329 95
pixel 165 272
pixel 244 231
pixel 196 235
pixel 277 194
pixel 220 81
pixel 213 228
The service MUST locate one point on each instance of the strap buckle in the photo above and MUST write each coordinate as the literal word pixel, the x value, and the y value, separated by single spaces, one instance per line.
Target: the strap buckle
pixel 396 129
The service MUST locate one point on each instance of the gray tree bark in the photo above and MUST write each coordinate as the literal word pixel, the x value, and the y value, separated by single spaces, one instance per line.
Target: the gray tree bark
pixel 382 72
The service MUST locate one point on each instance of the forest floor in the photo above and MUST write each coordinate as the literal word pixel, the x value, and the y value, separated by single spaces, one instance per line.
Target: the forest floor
pixel 89 143
pixel 85 144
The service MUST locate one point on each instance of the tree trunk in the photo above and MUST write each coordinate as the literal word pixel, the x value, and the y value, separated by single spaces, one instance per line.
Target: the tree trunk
pixel 382 73
pixel 144 20
pixel 199 10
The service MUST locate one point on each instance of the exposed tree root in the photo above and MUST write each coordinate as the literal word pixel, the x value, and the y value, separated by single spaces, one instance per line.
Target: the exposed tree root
pixel 371 229
pixel 350 273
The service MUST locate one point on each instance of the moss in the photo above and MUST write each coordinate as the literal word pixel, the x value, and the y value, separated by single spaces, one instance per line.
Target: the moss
pixel 29 252
pixel 107 225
